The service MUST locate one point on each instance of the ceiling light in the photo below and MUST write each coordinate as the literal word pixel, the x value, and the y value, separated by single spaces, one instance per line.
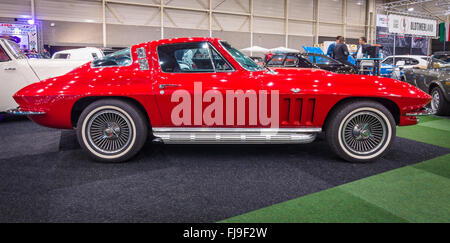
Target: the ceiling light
pixel 410 9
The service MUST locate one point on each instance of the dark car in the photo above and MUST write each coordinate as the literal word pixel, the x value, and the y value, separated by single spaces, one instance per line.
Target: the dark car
pixel 328 63
pixel 309 60
pixel 435 80
pixel 442 55
pixel 290 60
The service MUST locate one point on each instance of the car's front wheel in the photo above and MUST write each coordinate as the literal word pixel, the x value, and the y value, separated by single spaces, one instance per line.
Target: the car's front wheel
pixel 111 130
pixel 439 104
pixel 360 131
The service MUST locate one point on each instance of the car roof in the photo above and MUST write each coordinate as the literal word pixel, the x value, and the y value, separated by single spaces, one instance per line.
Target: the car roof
pixel 84 49
pixel 182 40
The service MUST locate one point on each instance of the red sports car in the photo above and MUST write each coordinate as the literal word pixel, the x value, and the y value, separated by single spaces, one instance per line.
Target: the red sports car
pixel 202 90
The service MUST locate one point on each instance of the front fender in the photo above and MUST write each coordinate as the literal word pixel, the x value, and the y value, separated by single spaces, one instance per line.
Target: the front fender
pixel 444 88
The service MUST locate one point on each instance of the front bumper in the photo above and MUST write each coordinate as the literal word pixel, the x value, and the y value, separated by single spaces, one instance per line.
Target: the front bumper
pixel 19 112
pixel 423 112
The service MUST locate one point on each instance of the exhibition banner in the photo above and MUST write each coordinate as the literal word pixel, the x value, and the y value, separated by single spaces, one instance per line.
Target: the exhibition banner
pixel 412 26
pixel 24 33
pixel 405 44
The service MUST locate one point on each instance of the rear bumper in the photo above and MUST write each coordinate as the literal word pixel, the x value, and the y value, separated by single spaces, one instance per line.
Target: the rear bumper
pixel 19 112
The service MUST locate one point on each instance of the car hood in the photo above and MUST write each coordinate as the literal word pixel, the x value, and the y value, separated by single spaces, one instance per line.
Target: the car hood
pixel 49 68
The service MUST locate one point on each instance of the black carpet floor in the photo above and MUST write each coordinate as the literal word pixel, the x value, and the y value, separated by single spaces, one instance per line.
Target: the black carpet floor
pixel 45 177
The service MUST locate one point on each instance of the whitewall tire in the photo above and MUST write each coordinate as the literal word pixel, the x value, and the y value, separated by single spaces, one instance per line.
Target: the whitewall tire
pixel 111 130
pixel 361 131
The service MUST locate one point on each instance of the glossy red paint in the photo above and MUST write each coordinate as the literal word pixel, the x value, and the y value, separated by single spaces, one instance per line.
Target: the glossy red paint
pixel 319 92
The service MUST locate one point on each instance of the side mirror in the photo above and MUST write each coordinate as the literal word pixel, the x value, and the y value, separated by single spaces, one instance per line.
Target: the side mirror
pixel 400 63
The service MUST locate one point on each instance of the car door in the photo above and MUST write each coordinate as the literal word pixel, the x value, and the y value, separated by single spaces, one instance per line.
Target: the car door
pixel 421 76
pixel 15 74
pixel 431 75
pixel 193 78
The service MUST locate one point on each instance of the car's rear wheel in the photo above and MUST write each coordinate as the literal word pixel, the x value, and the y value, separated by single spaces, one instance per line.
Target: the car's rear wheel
pixel 111 130
pixel 439 104
pixel 360 131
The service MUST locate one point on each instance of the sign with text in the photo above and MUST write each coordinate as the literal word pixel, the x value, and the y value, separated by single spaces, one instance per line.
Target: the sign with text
pixel 412 26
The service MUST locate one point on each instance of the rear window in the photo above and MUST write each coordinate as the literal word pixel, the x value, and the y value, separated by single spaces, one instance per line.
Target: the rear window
pixel 276 60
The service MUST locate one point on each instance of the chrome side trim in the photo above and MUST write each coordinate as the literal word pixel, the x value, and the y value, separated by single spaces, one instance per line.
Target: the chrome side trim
pixel 237 130
pixel 236 135
pixel 18 112
pixel 424 112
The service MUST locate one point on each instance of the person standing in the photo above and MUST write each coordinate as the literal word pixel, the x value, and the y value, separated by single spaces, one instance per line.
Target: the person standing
pixel 268 56
pixel 46 54
pixel 362 48
pixel 341 53
pixel 331 47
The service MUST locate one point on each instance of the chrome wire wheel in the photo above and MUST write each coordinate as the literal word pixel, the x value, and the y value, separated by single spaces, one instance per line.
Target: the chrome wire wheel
pixel 435 101
pixel 364 133
pixel 109 131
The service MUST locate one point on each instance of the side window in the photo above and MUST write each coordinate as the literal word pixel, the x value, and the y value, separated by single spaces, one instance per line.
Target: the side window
pixel 398 59
pixel 276 60
pixel 220 64
pixel 322 60
pixel 411 61
pixel 3 56
pixel 303 62
pixel 388 61
pixel 62 56
pixel 291 61
pixel 116 59
pixel 185 58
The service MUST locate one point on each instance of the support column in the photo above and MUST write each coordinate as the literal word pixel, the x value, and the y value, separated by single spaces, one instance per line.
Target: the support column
pixel 104 21
pixel 344 18
pixel 286 23
pixel 251 26
pixel 161 19
pixel 210 18
pixel 316 21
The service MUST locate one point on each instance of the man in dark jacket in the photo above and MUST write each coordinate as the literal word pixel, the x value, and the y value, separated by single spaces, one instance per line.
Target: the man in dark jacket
pixel 331 47
pixel 341 52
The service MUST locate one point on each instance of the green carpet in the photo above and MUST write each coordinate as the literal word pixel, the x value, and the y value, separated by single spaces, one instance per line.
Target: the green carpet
pixel 417 193
pixel 431 130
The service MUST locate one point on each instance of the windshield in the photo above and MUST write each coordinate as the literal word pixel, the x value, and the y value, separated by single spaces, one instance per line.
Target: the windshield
pixel 444 57
pixel 440 64
pixel 116 59
pixel 245 61
pixel 14 49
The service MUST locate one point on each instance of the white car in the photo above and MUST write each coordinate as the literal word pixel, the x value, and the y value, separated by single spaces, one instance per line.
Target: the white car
pixel 407 61
pixel 87 53
pixel 17 71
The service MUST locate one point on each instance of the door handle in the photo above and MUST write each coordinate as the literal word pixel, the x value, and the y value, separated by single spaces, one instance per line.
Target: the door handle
pixel 10 69
pixel 163 86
